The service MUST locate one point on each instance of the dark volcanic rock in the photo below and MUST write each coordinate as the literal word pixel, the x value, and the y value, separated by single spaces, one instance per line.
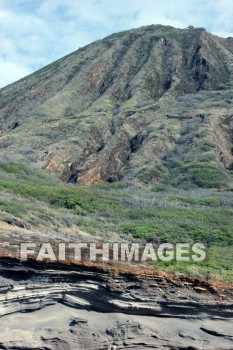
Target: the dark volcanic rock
pixel 80 308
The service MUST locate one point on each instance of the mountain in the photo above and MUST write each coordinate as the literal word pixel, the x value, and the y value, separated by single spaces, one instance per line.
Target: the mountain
pixel 148 105
pixel 129 139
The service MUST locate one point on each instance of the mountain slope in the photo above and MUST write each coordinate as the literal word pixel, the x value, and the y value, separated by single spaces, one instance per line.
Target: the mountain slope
pixel 149 105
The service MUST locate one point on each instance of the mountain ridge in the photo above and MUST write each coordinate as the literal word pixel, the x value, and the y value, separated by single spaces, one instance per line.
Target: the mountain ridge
pixel 133 106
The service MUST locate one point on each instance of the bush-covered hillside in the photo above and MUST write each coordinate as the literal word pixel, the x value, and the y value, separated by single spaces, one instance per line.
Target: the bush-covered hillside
pixel 35 206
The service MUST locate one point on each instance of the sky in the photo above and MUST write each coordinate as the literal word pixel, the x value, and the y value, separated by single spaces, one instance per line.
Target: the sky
pixel 34 33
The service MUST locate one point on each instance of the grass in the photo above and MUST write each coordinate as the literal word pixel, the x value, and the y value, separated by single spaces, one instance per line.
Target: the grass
pixel 158 214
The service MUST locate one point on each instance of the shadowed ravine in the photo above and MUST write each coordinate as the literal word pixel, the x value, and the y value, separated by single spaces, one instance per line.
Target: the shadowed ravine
pixel 76 307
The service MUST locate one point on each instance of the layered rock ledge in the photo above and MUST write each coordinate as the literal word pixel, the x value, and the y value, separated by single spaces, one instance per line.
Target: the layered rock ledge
pixel 87 306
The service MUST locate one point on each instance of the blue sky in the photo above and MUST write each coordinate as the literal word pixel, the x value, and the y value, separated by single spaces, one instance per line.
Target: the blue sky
pixel 34 33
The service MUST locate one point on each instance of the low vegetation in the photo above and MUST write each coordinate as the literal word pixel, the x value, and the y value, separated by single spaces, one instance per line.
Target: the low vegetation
pixel 153 214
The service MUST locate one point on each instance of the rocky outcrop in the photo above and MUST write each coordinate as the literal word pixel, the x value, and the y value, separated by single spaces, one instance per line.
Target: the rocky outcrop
pixel 59 306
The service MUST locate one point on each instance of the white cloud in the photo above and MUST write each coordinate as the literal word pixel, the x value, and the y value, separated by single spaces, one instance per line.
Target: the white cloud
pixel 11 71
pixel 34 33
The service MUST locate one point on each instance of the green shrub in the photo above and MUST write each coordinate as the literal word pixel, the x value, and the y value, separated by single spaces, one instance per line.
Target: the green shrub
pixel 15 208
pixel 201 174
pixel 139 230
pixel 208 201
pixel 160 188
